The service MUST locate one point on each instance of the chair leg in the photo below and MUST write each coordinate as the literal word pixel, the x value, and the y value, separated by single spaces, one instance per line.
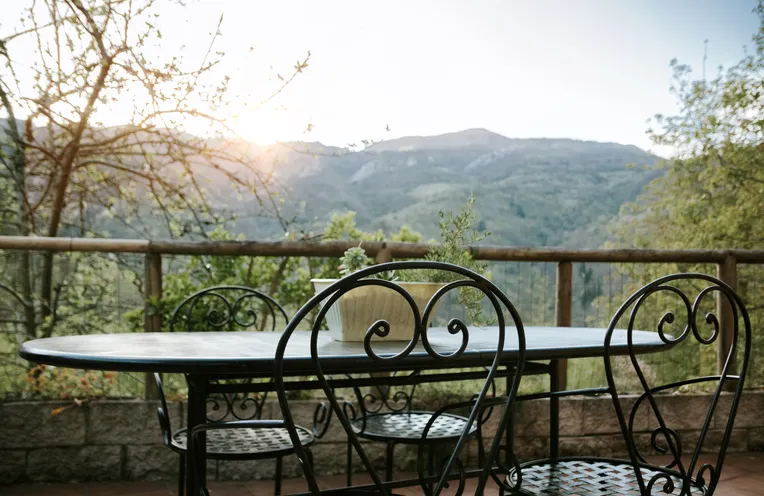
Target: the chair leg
pixel 431 464
pixel 481 446
pixel 349 471
pixel 277 482
pixel 181 475
pixel 389 462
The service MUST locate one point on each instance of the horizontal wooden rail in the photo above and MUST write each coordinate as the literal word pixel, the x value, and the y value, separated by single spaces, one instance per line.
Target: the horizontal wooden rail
pixel 74 244
pixel 395 250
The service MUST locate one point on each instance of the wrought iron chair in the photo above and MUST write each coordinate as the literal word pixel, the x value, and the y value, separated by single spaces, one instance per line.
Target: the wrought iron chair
pixel 685 474
pixel 425 342
pixel 229 308
pixel 384 414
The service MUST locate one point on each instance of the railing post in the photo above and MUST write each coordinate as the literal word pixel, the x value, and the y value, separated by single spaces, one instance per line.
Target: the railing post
pixel 558 369
pixel 384 255
pixel 151 322
pixel 727 272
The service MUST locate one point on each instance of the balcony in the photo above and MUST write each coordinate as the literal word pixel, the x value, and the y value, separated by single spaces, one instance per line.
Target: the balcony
pixel 113 440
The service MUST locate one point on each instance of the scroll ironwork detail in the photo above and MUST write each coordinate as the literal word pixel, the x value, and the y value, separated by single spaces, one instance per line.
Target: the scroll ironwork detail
pixel 683 472
pixel 418 347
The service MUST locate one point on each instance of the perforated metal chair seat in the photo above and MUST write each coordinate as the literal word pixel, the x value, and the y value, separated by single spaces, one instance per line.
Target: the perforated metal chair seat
pixel 601 477
pixel 403 427
pixel 244 443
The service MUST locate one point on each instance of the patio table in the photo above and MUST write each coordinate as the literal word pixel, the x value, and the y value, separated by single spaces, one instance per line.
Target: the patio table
pixel 205 357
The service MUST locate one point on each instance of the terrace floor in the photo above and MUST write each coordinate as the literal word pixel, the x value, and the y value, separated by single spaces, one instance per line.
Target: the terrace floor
pixel 743 475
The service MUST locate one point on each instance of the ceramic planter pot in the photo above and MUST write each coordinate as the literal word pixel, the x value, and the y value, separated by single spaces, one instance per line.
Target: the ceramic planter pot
pixel 352 315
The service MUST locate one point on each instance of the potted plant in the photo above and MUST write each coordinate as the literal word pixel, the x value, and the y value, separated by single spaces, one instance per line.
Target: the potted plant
pixel 351 316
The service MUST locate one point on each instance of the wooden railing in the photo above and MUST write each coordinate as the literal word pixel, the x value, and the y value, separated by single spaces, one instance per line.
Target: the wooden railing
pixel 726 262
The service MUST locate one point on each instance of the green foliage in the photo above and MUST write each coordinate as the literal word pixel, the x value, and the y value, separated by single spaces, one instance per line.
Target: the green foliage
pixel 343 227
pixel 286 279
pixel 8 224
pixel 353 260
pixel 457 232
pixel 710 194
pixel 406 235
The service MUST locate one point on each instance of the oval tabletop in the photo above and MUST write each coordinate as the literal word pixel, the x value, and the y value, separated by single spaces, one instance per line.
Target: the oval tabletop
pixel 253 352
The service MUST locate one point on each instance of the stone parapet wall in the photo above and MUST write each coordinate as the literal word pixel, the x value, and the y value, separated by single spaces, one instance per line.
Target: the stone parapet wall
pixel 110 440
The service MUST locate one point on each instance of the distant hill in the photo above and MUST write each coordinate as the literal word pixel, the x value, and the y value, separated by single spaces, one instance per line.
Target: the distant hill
pixel 530 192
pixel 477 139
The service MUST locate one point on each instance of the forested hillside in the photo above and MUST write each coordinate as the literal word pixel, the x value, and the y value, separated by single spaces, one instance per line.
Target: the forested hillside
pixel 530 192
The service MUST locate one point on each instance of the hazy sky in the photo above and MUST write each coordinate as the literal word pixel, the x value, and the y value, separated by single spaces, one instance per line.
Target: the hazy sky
pixel 586 69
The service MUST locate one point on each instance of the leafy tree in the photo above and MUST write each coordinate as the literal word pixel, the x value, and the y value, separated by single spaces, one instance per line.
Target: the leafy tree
pixel 710 193
pixel 406 235
pixel 709 196
pixel 68 172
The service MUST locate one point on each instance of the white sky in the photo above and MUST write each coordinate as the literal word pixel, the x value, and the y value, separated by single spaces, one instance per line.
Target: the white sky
pixel 585 69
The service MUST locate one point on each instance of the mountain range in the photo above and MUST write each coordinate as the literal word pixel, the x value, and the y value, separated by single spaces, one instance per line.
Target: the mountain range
pixel 529 192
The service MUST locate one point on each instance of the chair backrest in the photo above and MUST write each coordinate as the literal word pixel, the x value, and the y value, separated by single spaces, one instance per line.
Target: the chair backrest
pixel 383 397
pixel 227 308
pixel 687 295
pixel 445 346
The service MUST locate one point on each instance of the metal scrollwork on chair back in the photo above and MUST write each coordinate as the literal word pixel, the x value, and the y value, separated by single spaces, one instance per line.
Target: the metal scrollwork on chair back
pixel 424 344
pixel 379 398
pixel 230 308
pixel 235 406
pixel 681 476
pixel 227 308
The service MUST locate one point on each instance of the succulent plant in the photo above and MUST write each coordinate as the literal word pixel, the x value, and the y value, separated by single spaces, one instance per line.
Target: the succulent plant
pixel 355 259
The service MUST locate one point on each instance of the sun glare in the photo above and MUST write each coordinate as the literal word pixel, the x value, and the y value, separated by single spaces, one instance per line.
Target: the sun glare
pixel 263 126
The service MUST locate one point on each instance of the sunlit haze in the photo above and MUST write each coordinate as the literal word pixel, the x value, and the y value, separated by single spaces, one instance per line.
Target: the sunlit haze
pixel 593 70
